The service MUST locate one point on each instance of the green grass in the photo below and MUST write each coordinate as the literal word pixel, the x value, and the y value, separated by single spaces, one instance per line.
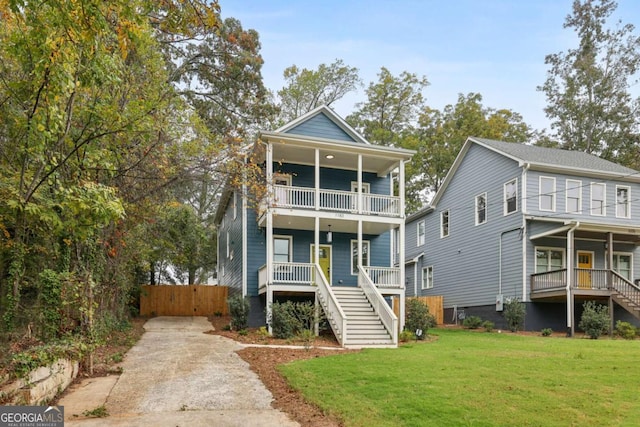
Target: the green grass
pixel 478 379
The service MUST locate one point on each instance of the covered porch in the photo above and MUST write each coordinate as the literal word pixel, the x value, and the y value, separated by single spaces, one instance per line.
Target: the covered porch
pixel 574 276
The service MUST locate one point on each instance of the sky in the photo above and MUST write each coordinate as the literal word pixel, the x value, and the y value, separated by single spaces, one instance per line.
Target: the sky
pixel 492 47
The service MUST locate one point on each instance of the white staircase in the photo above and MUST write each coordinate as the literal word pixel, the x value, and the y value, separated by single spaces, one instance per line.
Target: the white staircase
pixel 364 328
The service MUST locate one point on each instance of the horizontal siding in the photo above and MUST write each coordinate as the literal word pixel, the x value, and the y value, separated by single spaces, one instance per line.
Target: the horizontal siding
pixel 256 251
pixel 533 199
pixel 333 179
pixel 321 126
pixel 466 265
pixel 232 266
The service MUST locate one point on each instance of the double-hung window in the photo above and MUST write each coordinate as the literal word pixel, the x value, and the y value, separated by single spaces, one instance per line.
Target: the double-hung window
pixel 623 207
pixel 598 198
pixel 354 255
pixel 282 248
pixel 481 208
pixel 421 233
pixel 547 193
pixel 622 264
pixel 444 223
pixel 427 277
pixel 574 196
pixel 511 196
pixel 549 259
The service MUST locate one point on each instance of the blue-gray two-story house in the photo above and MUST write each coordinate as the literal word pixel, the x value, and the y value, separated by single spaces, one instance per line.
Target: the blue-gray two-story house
pixel 333 210
pixel 549 227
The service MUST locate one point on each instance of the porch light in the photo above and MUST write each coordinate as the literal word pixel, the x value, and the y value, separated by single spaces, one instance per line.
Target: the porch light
pixel 329 156
pixel 329 235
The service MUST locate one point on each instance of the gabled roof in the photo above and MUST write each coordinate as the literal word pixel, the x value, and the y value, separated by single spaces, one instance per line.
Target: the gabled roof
pixel 539 158
pixel 326 113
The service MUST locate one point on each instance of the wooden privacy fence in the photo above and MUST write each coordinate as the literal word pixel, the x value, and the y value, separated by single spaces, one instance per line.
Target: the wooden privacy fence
pixel 435 304
pixel 192 300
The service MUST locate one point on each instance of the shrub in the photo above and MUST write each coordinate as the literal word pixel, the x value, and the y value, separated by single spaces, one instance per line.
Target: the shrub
pixel 406 336
pixel 546 332
pixel 625 330
pixel 239 311
pixel 514 314
pixel 418 317
pixel 488 325
pixel 289 318
pixel 595 319
pixel 472 322
pixel 307 337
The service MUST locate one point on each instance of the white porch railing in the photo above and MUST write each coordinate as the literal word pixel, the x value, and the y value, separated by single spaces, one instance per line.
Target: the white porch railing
pixel 384 277
pixel 380 306
pixel 294 273
pixel 335 316
pixel 286 196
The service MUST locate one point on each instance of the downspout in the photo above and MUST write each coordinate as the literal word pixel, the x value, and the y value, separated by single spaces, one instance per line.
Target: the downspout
pixel 570 326
pixel 525 211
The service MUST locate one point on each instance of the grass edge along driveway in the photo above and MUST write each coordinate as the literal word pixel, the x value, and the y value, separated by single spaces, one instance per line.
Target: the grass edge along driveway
pixel 470 378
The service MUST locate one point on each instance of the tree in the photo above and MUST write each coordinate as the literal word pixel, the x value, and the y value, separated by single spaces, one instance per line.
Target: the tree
pixel 307 89
pixel 587 88
pixel 441 134
pixel 392 106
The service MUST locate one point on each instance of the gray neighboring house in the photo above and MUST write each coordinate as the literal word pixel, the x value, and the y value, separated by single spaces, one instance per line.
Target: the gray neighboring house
pixel 550 227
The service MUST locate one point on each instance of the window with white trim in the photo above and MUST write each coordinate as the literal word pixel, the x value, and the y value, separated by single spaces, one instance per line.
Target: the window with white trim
pixel 420 232
pixel 354 255
pixel 228 245
pixel 549 259
pixel 282 248
pixel 623 205
pixel 444 223
pixel 547 193
pixel 481 208
pixel 598 199
pixel 511 196
pixel 623 264
pixel 573 203
pixel 235 206
pixel 427 277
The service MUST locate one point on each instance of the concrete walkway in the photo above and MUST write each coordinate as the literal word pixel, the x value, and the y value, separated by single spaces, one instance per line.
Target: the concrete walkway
pixel 177 375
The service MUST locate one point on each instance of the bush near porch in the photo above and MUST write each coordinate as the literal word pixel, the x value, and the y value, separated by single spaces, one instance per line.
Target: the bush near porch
pixel 467 378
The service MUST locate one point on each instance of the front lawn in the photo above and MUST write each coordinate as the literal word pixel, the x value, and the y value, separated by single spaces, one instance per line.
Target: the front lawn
pixel 479 379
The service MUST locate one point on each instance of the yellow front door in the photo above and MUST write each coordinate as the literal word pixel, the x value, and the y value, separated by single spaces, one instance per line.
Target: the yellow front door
pixel 324 260
pixel 585 261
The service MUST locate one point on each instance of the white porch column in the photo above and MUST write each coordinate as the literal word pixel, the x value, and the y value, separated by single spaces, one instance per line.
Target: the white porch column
pixel 359 195
pixel 402 315
pixel 570 245
pixel 401 230
pixel 360 243
pixel 317 182
pixel 269 231
pixel 316 240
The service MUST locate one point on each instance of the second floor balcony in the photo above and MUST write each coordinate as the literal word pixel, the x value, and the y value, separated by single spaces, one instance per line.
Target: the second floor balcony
pixel 286 196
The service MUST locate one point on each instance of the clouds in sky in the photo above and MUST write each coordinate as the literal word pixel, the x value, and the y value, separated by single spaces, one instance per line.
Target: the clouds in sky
pixel 493 47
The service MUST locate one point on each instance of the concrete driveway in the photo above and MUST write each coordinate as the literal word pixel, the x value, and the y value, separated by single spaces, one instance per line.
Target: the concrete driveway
pixel 177 375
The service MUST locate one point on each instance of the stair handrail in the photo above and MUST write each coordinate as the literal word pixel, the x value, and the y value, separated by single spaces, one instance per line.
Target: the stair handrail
pixel 625 287
pixel 379 304
pixel 331 306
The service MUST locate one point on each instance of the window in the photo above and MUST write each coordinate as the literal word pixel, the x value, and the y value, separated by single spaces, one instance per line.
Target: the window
pixel 547 193
pixel 282 248
pixel 598 198
pixel 366 188
pixel 481 208
pixel 228 245
pixel 444 223
pixel 281 192
pixel 622 263
pixel 235 206
pixel 511 196
pixel 354 255
pixel 420 231
pixel 574 196
pixel 623 207
pixel 549 259
pixel 427 277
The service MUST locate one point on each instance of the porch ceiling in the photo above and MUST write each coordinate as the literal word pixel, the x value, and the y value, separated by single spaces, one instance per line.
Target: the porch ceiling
pixel 337 225
pixel 596 232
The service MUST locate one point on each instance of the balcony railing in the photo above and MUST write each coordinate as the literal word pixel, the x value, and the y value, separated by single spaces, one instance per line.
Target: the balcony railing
pixel 384 277
pixel 584 278
pixel 286 196
pixel 297 273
